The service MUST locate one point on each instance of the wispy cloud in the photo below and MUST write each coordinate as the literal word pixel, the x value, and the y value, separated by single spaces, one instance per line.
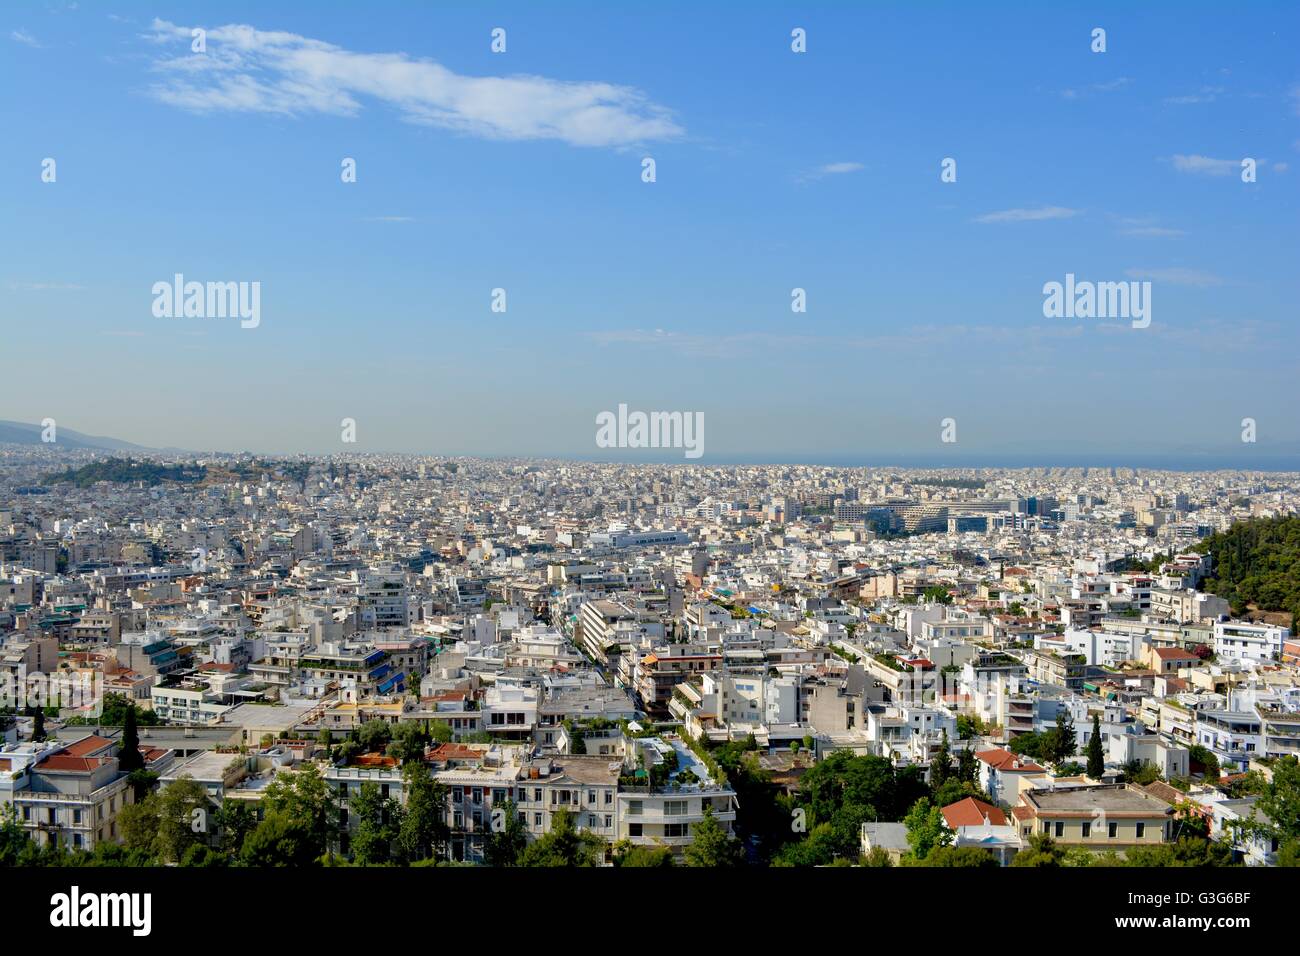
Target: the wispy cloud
pixel 1110 86
pixel 22 36
pixel 830 169
pixel 1176 276
pixel 1205 166
pixel 255 71
pixel 1148 229
pixel 1037 214
pixel 1206 94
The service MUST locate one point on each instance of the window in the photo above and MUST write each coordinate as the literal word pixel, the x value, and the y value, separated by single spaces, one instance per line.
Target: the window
pixel 634 808
pixel 609 797
pixel 1087 829
pixel 634 829
pixel 609 822
pixel 537 819
pixel 1141 830
pixel 537 795
pixel 674 808
pixel 1112 830
pixel 674 829
pixel 1060 829
pixel 591 798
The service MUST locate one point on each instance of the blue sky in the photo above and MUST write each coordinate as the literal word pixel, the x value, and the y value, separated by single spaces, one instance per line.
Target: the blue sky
pixel 775 170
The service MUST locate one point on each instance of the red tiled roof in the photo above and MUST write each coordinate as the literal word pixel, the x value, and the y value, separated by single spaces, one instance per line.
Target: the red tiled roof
pixel 452 752
pixel 972 813
pixel 71 764
pixel 86 745
pixel 1005 760
pixel 1175 654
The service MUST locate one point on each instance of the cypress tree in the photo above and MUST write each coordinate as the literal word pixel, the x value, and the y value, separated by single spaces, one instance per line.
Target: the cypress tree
pixel 129 757
pixel 1096 762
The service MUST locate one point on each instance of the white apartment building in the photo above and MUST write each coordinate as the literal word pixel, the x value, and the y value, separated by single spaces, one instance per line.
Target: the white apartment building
pixel 1242 641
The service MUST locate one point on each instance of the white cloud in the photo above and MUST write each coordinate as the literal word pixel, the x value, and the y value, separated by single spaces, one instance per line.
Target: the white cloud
pixel 22 36
pixel 1110 86
pixel 830 169
pixel 1206 94
pixel 1029 215
pixel 1205 166
pixel 1176 276
pixel 1148 229
pixel 250 70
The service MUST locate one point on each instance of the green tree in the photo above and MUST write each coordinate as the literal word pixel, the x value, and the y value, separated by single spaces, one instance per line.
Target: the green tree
pixel 926 829
pixel 408 742
pixel 1042 851
pixel 961 856
pixel 378 823
pixel 281 840
pixel 1096 760
pixel 968 766
pixel 374 735
pixel 1140 772
pixel 877 858
pixel 564 845
pixel 201 855
pixel 423 831
pixel 711 845
pixel 1184 852
pixel 506 844
pixel 440 731
pixel 177 803
pixel 626 854
pixel 1063 741
pixel 940 764
pixel 1277 810
pixel 138 825
pixel 234 820
pixel 304 796
pixel 129 757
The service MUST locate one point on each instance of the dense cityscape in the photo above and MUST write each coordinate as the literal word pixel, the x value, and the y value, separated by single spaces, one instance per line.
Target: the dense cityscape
pixel 804 450
pixel 417 660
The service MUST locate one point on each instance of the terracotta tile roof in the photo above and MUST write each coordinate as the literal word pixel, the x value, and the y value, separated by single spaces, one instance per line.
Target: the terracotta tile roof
pixel 1175 654
pixel 86 745
pixel 453 752
pixel 62 762
pixel 1005 760
pixel 973 813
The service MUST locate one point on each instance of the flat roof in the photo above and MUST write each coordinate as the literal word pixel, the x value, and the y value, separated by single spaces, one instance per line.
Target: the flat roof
pixel 1115 800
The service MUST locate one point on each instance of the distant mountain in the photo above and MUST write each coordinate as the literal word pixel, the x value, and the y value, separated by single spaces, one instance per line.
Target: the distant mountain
pixel 20 433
